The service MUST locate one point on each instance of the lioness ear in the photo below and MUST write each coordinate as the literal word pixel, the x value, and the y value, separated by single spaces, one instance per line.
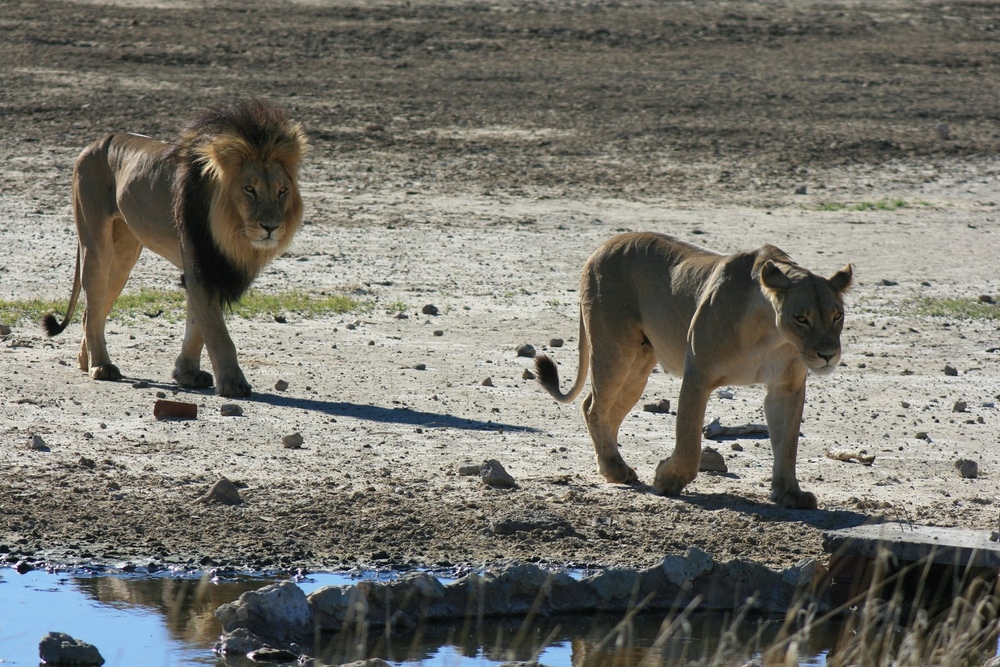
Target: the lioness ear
pixel 773 277
pixel 841 280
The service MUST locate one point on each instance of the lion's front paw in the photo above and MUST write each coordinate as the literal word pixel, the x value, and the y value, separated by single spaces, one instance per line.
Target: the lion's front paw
pixel 669 481
pixel 795 499
pixel 196 379
pixel 617 472
pixel 108 372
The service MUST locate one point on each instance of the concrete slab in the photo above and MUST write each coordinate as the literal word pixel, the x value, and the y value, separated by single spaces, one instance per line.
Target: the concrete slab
pixel 910 544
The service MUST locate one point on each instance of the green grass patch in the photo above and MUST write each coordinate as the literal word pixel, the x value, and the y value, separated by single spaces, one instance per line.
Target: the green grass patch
pixel 964 309
pixel 170 305
pixel 880 205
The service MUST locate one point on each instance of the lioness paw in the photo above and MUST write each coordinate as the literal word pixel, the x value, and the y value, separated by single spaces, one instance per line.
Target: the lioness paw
pixel 196 379
pixel 795 499
pixel 108 372
pixel 668 481
pixel 617 472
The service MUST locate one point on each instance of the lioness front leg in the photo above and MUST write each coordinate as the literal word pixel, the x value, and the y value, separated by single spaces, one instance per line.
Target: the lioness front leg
pixel 681 467
pixel 783 410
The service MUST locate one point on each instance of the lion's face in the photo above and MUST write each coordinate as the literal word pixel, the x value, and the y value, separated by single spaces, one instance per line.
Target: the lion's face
pixel 267 200
pixel 809 313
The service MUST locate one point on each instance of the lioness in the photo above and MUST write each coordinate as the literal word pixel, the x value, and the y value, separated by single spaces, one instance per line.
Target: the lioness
pixel 220 203
pixel 748 318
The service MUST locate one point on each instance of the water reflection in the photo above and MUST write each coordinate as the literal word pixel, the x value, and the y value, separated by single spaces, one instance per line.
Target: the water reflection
pixel 169 621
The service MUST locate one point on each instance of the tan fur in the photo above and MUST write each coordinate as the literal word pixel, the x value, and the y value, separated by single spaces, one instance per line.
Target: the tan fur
pixel 749 318
pixel 220 204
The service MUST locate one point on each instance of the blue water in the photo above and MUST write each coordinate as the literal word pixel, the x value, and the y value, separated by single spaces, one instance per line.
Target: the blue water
pixel 166 620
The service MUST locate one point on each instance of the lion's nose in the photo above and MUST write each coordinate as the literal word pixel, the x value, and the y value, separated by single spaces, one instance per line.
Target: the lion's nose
pixel 270 226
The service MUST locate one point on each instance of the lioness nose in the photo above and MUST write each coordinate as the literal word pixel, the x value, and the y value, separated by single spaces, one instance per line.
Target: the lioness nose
pixel 827 356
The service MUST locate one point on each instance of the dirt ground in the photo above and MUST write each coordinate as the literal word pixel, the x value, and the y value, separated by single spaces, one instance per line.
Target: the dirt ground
pixel 471 155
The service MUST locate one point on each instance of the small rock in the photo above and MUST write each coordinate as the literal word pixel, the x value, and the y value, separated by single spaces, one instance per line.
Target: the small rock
pixel 555 342
pixel 986 298
pixel 885 282
pixel 801 190
pixel 438 332
pixel 141 384
pixel 493 474
pixel 526 350
pixel 712 461
pixel 58 648
pixel 292 441
pixel 904 404
pixel 272 655
pixel 23 567
pixel 224 493
pixel 527 375
pixel 660 407
pixel 36 443
pixel 488 382
pixel 950 370
pixel 280 319
pixel 163 409
pixel 429 309
pixel 922 435
pixel 420 367
pixel 280 385
pixel 402 316
pixel 4 330
pixel 960 406
pixel 736 447
pixel 87 463
pixel 161 394
pixel 230 410
pixel 943 131
pixel 725 394
pixel 469 469
pixel 967 469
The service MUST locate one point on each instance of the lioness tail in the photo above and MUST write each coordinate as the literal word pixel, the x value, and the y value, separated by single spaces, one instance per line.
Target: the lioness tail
pixel 548 373
pixel 54 327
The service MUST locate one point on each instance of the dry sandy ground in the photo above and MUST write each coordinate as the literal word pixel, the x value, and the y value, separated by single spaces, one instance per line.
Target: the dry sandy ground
pixel 471 156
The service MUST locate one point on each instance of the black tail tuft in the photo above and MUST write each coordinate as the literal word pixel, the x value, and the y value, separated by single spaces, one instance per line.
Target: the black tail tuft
pixel 52 326
pixel 548 373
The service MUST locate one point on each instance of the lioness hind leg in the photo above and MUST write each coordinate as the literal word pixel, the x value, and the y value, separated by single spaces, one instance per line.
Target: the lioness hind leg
pixel 616 385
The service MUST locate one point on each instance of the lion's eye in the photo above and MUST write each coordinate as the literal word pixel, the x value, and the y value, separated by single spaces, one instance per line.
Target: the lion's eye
pixel 250 190
pixel 282 191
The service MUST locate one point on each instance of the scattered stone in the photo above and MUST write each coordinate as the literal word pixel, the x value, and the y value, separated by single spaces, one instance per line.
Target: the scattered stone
pixel 943 131
pixel 141 384
pixel 712 461
pixel 526 350
pixel 429 309
pixel 488 382
pixel 4 330
pixel 950 370
pixel 986 298
pixel 280 385
pixel 402 316
pixel 438 332
pixel 292 441
pixel 555 342
pixel 885 282
pixel 529 522
pixel 223 493
pixel 736 447
pixel 684 569
pixel 527 375
pixel 23 567
pixel 230 410
pixel 161 394
pixel 36 443
pixel 164 409
pixel 967 469
pixel 84 462
pixel 469 469
pixel 801 190
pixel 660 407
pixel 960 406
pixel 922 435
pixel 904 404
pixel 493 474
pixel 272 655
pixel 58 648
pixel 860 455
pixel 725 394
pixel 420 367
pixel 715 430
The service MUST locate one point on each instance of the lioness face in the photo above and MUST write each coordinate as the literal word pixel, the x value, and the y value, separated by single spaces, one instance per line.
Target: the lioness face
pixel 809 313
pixel 264 199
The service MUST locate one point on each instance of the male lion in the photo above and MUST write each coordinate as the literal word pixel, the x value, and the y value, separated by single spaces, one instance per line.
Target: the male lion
pixel 748 318
pixel 220 203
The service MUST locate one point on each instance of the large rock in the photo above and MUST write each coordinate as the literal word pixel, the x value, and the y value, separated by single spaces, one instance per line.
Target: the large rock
pixel 58 648
pixel 280 614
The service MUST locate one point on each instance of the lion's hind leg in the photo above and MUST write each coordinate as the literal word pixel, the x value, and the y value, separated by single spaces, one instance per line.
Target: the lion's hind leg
pixel 618 379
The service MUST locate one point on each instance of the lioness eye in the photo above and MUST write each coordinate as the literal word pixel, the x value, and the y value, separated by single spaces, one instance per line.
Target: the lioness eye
pixel 802 319
pixel 837 317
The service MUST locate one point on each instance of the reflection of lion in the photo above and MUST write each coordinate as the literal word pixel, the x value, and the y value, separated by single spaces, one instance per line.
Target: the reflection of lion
pixel 229 183
pixel 753 317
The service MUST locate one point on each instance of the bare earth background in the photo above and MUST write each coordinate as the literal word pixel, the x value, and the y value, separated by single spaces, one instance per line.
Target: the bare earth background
pixel 471 155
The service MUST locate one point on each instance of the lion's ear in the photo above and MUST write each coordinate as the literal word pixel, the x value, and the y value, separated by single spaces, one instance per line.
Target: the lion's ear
pixel 841 280
pixel 773 278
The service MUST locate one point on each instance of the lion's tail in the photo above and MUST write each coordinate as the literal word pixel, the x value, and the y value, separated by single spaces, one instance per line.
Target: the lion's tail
pixel 548 373
pixel 54 327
